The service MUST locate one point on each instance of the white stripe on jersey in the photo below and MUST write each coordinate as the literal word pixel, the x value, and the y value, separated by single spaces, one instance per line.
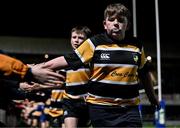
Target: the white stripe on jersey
pixel 120 49
pixel 77 83
pixel 56 100
pixel 97 97
pixel 115 82
pixel 79 55
pixel 92 45
pixel 57 91
pixel 116 65
pixel 79 70
pixel 115 99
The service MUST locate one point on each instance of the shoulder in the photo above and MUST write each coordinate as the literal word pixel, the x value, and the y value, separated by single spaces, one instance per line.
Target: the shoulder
pixel 100 39
pixel 134 41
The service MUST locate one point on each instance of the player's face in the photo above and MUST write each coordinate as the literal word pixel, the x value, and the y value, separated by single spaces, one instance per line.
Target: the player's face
pixel 77 39
pixel 116 26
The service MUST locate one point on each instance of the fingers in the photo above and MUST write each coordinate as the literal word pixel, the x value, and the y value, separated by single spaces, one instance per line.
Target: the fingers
pixel 30 65
pixel 47 84
pixel 24 86
pixel 55 82
pixel 52 84
pixel 55 76
pixel 47 76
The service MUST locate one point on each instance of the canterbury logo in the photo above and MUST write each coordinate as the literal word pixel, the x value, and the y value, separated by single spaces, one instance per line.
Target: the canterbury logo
pixel 105 56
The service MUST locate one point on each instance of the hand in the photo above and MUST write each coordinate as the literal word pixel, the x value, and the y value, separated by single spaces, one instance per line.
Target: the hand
pixel 25 86
pixel 29 87
pixel 38 86
pixel 30 65
pixel 46 76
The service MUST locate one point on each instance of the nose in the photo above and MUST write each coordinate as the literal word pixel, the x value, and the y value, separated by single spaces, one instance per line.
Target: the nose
pixel 76 40
pixel 117 23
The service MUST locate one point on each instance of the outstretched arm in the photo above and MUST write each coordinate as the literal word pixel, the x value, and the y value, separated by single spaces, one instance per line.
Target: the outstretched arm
pixel 43 74
pixel 12 67
pixel 37 86
pixel 57 63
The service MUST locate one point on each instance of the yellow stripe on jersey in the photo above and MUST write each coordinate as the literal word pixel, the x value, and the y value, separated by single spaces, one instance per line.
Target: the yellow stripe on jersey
pixel 69 96
pixel 54 112
pixel 85 55
pixel 112 101
pixel 57 95
pixel 77 77
pixel 115 74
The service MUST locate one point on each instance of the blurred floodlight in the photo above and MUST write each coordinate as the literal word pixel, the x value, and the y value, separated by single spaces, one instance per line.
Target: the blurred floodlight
pixel 149 58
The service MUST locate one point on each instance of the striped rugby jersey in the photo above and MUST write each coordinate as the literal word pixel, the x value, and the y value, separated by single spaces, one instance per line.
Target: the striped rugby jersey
pixel 55 109
pixel 114 78
pixel 77 82
pixel 57 95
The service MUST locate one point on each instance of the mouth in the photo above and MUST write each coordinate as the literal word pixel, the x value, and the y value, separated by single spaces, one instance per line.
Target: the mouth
pixel 76 45
pixel 116 31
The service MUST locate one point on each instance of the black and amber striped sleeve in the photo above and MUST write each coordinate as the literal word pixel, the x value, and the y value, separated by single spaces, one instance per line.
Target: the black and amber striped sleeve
pixel 73 60
pixel 81 56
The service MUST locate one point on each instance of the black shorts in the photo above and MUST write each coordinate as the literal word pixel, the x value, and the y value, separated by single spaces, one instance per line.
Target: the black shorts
pixel 114 116
pixel 76 108
pixel 55 121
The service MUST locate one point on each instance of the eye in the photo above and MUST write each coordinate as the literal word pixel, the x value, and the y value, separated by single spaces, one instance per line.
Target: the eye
pixel 82 38
pixel 74 37
pixel 121 20
pixel 111 19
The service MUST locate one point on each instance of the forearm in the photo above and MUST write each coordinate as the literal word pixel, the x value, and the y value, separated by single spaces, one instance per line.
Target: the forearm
pixel 57 63
pixel 148 86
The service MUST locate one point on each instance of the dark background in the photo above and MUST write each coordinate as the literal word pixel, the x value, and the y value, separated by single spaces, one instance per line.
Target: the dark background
pixel 55 19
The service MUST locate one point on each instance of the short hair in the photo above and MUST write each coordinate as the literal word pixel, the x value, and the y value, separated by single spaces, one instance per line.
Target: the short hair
pixel 117 9
pixel 82 29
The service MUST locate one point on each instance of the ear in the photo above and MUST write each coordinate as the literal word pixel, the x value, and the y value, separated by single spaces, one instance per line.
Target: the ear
pixel 104 23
